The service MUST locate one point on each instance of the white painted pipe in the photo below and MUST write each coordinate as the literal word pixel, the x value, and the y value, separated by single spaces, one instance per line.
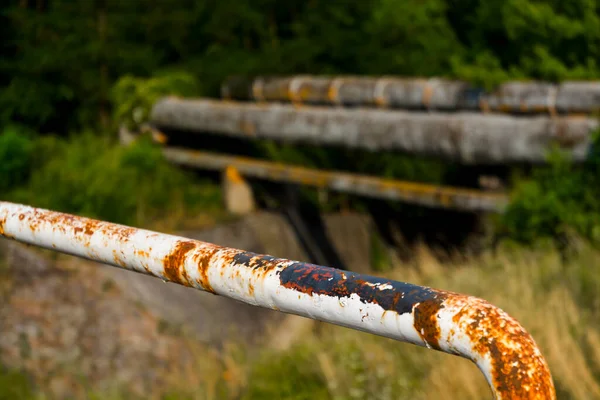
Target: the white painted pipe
pixel 454 323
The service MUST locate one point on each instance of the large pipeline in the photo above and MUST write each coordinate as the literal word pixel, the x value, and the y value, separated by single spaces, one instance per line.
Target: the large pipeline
pixel 468 138
pixel 418 93
pixel 450 322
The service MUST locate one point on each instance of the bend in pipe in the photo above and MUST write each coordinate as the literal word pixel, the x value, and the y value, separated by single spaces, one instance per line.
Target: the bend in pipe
pixel 450 322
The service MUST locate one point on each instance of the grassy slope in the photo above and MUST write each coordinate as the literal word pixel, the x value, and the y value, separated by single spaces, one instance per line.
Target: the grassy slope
pixel 557 301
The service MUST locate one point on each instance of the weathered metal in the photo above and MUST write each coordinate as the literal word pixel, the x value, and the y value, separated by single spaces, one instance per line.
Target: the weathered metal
pixel 370 186
pixel 468 138
pixel 418 93
pixel 450 322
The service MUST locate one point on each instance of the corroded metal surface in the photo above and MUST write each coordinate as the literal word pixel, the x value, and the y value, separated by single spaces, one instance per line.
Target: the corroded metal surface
pixel 454 323
pixel 469 138
pixel 418 93
pixel 410 192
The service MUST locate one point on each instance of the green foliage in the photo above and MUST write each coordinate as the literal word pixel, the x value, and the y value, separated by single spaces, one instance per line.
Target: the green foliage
pixel 525 39
pixel 557 201
pixel 134 97
pixel 15 386
pixel 16 155
pixel 485 70
pixel 92 176
pixel 413 37
pixel 380 260
pixel 58 61
pixel 61 57
pixel 292 375
pixel 337 365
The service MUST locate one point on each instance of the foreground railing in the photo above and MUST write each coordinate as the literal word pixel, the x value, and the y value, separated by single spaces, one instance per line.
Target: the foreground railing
pixel 450 322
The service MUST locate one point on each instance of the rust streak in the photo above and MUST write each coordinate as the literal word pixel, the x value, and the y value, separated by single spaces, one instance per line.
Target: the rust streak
pixel 173 263
pixel 117 259
pixel 203 259
pixel 426 321
pixel 146 267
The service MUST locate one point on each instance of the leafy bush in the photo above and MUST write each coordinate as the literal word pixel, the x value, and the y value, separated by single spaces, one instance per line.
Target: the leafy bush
pixel 59 79
pixel 93 176
pixel 133 97
pixel 15 386
pixel 556 201
pixel 16 154
pixel 277 376
pixel 525 39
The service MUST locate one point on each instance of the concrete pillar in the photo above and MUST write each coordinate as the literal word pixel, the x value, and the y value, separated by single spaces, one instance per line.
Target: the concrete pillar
pixel 237 193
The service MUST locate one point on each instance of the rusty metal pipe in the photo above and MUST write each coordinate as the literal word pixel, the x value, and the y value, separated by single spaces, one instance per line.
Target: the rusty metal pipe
pixel 418 93
pixel 450 322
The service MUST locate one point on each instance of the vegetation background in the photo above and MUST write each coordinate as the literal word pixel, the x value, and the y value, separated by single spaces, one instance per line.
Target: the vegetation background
pixel 72 71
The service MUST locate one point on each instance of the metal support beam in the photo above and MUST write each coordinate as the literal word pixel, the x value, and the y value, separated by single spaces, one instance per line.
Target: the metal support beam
pixel 450 322
pixel 370 186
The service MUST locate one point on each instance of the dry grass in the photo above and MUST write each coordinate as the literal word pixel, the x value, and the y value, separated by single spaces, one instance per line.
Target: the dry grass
pixel 544 294
pixel 554 300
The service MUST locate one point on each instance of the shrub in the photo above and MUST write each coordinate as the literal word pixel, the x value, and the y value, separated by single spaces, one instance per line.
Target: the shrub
pixel 278 377
pixel 556 201
pixel 16 153
pixel 15 386
pixel 93 176
pixel 133 97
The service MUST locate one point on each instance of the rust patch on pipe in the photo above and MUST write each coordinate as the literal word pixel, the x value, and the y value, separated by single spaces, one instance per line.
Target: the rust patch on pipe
pixel 564 138
pixel 121 233
pixel 248 128
pixel 62 222
pixel 426 320
pixel 259 262
pixel 518 368
pixel 142 253
pixel 90 228
pixel 427 94
pixel 2 232
pixel 117 259
pixel 174 263
pixel 203 258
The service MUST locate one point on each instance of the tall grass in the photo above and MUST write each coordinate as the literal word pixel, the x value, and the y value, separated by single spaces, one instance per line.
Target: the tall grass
pixel 556 300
